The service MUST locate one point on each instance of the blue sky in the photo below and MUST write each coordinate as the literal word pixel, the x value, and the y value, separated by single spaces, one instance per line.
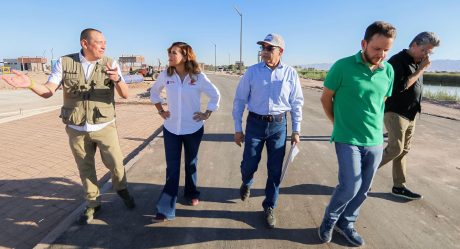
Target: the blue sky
pixel 314 31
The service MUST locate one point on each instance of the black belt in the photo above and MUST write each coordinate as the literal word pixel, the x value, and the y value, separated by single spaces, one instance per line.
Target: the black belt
pixel 268 118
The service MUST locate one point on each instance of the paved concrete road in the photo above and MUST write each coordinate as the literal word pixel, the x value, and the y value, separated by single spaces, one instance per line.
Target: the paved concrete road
pixel 221 220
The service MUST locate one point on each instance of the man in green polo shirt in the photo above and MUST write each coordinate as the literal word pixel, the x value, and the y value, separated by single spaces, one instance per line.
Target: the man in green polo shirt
pixel 353 99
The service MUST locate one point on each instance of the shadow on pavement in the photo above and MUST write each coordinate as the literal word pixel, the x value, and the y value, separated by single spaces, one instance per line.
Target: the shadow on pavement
pixel 387 196
pixel 117 227
pixel 29 208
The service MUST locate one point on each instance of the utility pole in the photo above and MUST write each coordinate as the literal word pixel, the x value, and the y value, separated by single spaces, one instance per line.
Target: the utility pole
pixel 241 39
pixel 215 57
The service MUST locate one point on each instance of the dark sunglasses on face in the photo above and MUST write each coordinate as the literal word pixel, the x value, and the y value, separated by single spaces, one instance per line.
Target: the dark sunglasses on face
pixel 267 48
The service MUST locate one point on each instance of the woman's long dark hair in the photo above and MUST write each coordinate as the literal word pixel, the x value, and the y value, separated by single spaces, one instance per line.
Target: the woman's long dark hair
pixel 191 66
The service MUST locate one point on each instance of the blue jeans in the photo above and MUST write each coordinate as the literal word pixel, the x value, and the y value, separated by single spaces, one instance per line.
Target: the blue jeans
pixel 357 167
pixel 273 135
pixel 166 204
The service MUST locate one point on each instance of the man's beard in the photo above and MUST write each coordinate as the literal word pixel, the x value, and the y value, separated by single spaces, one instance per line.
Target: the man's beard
pixel 368 59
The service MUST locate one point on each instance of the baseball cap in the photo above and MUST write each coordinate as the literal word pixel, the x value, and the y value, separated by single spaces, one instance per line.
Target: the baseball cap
pixel 274 40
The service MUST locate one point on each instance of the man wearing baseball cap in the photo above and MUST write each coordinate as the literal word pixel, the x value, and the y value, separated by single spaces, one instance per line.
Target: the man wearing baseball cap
pixel 270 89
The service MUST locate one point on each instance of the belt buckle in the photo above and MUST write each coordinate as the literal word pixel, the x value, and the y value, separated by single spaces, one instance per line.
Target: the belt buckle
pixel 270 118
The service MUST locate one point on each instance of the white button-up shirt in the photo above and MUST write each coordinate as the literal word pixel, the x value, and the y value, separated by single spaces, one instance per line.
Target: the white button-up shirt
pixel 184 99
pixel 88 66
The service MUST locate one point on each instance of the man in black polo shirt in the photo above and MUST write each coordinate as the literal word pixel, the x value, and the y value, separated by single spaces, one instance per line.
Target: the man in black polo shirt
pixel 404 104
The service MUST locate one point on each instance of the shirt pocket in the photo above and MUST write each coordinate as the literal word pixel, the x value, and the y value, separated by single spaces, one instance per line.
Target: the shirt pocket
pixel 72 115
pixel 71 86
pixel 280 90
pixel 103 114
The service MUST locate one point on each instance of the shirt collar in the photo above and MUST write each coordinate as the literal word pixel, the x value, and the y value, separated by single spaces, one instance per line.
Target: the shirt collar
pixel 280 65
pixel 186 75
pixel 84 60
pixel 359 59
pixel 407 56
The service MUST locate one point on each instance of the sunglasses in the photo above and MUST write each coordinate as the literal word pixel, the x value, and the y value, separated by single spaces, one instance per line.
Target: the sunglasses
pixel 268 48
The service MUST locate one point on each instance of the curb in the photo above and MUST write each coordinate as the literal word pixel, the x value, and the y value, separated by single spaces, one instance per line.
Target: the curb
pixel 128 161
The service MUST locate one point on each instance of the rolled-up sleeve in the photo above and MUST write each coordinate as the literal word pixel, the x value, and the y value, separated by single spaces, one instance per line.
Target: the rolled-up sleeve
pixel 240 101
pixel 296 102
pixel 116 65
pixel 212 92
pixel 56 73
pixel 156 88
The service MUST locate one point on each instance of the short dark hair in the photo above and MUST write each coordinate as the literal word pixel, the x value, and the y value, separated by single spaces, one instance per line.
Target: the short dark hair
pixel 85 34
pixel 381 28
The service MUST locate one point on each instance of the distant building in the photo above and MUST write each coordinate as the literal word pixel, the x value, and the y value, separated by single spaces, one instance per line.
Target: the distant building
pixel 36 64
pixel 12 63
pixel 131 62
pixel 239 64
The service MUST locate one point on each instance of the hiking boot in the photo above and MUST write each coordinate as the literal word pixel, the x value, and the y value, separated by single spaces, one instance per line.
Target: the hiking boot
pixel 270 219
pixel 351 235
pixel 88 215
pixel 325 231
pixel 244 192
pixel 127 198
pixel 405 193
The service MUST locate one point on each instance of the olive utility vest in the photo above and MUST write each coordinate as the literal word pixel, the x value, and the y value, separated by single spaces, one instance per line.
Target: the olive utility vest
pixel 90 100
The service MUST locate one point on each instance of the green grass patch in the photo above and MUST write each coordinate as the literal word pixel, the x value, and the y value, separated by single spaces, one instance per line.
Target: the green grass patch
pixel 443 79
pixel 312 74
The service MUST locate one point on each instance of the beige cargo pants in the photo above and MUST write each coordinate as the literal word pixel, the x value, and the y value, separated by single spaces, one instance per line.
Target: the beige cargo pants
pixel 83 146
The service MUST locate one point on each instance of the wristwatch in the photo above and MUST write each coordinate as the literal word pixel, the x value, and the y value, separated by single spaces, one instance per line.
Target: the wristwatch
pixel 161 111
pixel 118 81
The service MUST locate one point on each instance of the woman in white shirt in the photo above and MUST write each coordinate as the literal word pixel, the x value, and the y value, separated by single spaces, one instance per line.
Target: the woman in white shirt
pixel 184 83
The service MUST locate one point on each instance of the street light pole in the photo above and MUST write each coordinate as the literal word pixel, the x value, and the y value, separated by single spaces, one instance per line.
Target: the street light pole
pixel 215 57
pixel 241 38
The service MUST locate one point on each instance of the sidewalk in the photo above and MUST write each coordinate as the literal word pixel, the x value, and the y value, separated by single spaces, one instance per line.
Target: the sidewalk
pixel 39 184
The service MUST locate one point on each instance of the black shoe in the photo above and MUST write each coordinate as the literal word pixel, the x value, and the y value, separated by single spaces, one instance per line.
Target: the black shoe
pixel 159 218
pixel 351 235
pixel 127 199
pixel 244 192
pixel 270 219
pixel 88 215
pixel 325 230
pixel 405 193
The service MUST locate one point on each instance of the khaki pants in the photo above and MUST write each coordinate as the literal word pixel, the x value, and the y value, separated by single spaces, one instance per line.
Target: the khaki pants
pixel 83 146
pixel 400 132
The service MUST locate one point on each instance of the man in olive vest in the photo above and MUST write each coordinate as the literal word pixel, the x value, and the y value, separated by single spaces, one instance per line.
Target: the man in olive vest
pixel 88 80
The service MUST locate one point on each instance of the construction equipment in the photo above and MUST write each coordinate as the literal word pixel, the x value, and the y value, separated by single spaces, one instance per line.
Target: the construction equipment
pixel 145 72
